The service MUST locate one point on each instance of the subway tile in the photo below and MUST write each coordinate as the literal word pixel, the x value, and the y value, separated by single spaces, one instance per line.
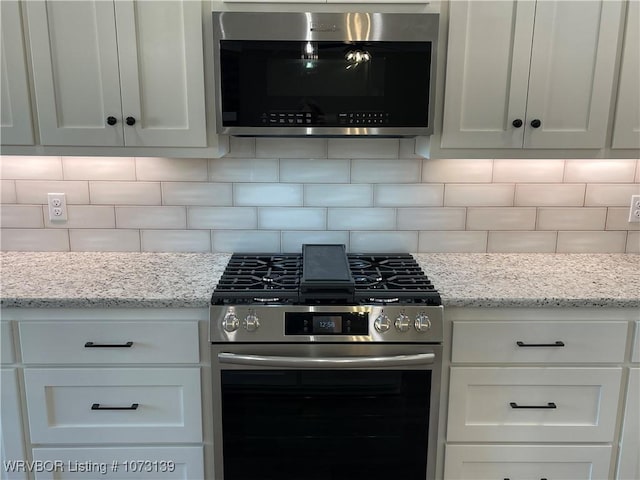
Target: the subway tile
pixel 315 171
pixel 241 147
pixel 292 241
pixel 353 195
pixel 610 195
pixel 431 218
pixel 423 195
pixel 7 191
pixel 363 148
pixel 550 195
pixel 490 195
pixel 618 219
pixel 104 240
pixel 452 242
pixel 457 170
pixel 571 218
pixel 528 171
pixel 34 240
pixel 600 171
pixel 277 195
pixel 637 179
pixel 223 218
pixel 243 170
pixel 246 241
pixel 383 242
pixel 196 193
pixel 35 191
pixel 21 216
pixel 385 171
pixel 522 242
pixel 151 217
pixel 591 242
pixel 99 168
pixel 175 240
pixel 30 168
pixel 281 218
pixel 501 218
pixel 83 216
pixel 361 219
pixel 633 243
pixel 125 193
pixel 408 148
pixel 291 147
pixel 171 169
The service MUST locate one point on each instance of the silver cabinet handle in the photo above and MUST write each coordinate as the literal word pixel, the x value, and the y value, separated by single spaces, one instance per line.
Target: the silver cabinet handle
pixel 331 362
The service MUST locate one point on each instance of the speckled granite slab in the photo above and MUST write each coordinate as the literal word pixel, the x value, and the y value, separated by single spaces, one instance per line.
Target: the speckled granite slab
pixel 187 279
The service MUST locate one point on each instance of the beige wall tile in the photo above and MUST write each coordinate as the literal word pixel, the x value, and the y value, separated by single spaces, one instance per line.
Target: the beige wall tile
pixel 104 240
pixel 383 242
pixel 272 194
pixel 432 218
pixel 223 218
pixel 457 171
pixel 633 242
pixel 83 216
pixel 591 242
pixel 30 168
pixel 363 148
pixel 7 191
pixel 99 168
pixel 324 195
pixel 430 195
pixel 454 242
pixel 171 169
pixel 243 170
pixel 125 193
pixel 34 240
pixel 456 195
pixel 637 179
pixel 385 171
pixel 197 193
pixel 618 219
pixel 245 241
pixel 522 242
pixel 151 217
pixel 292 241
pixel 175 240
pixel 528 171
pixel 315 170
pixel 571 218
pixel 279 218
pixel 408 148
pixel 501 218
pixel 544 195
pixel 291 147
pixel 35 191
pixel 610 195
pixel 361 219
pixel 21 216
pixel 600 171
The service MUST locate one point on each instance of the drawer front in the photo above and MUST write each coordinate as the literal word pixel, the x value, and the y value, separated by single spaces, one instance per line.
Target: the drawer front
pixel 127 342
pixel 6 343
pixel 533 404
pixel 480 462
pixel 152 463
pixel 152 405
pixel 635 357
pixel 535 342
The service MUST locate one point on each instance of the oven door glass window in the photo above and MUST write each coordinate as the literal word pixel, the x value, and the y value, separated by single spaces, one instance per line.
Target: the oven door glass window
pixel 325 425
pixel 276 83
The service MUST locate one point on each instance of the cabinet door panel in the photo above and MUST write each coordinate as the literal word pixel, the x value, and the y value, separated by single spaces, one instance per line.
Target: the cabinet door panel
pixel 487 73
pixel 11 440
pixel 629 464
pixel 572 69
pixel 161 72
pixel 626 130
pixel 15 106
pixel 75 70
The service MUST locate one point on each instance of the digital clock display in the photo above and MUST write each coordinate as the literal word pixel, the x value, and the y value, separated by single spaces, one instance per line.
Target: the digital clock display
pixel 327 324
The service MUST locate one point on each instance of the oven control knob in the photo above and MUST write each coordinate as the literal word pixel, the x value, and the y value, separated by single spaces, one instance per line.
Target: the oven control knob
pixel 422 323
pixel 230 322
pixel 382 323
pixel 251 323
pixel 402 323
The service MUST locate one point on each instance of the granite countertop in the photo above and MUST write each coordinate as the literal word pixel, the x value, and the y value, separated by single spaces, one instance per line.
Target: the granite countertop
pixel 35 279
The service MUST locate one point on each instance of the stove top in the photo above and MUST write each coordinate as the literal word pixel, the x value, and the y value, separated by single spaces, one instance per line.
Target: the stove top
pixel 324 275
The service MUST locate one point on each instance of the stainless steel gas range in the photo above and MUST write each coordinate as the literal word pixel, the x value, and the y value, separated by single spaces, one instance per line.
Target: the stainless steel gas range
pixel 326 365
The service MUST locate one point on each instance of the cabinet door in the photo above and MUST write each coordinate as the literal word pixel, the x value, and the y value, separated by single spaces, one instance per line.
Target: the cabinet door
pixel 75 71
pixel 15 107
pixel 11 441
pixel 626 130
pixel 161 72
pixel 572 68
pixel 629 464
pixel 487 73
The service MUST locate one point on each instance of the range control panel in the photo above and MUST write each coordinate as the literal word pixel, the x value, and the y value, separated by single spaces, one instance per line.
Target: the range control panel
pixel 290 119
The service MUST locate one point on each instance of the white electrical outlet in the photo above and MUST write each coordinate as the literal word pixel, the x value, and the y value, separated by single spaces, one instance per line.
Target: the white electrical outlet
pixel 634 210
pixel 57 207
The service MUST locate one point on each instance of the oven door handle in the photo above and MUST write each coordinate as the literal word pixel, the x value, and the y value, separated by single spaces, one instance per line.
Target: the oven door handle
pixel 327 362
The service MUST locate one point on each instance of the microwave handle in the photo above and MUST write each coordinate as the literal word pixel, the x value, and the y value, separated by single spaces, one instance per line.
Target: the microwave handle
pixel 326 362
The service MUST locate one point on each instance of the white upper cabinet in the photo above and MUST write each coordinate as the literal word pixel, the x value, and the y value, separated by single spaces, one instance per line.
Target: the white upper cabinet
pixel 129 74
pixel 626 129
pixel 530 74
pixel 15 107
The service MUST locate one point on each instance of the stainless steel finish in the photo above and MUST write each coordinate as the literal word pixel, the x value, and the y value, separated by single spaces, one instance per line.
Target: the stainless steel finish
pixel 333 362
pixel 402 323
pixel 422 323
pixel 314 26
pixel 251 323
pixel 272 324
pixel 230 322
pixel 382 323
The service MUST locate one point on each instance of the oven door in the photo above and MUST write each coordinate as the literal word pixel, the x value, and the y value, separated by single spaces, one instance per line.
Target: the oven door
pixel 325 411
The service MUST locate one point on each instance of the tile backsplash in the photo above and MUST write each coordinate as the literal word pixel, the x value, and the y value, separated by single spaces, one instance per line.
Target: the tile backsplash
pixel 274 194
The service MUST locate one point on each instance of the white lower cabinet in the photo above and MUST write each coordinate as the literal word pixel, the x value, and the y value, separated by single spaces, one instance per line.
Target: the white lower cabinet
pixel 11 440
pixel 518 462
pixel 629 464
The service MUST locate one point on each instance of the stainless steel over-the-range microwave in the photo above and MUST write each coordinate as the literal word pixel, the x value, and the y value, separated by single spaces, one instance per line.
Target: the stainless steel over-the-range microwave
pixel 327 74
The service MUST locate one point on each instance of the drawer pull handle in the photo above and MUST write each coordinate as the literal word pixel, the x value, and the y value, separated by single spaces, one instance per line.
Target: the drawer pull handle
pixel 108 345
pixel 96 406
pixel 549 405
pixel 557 343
